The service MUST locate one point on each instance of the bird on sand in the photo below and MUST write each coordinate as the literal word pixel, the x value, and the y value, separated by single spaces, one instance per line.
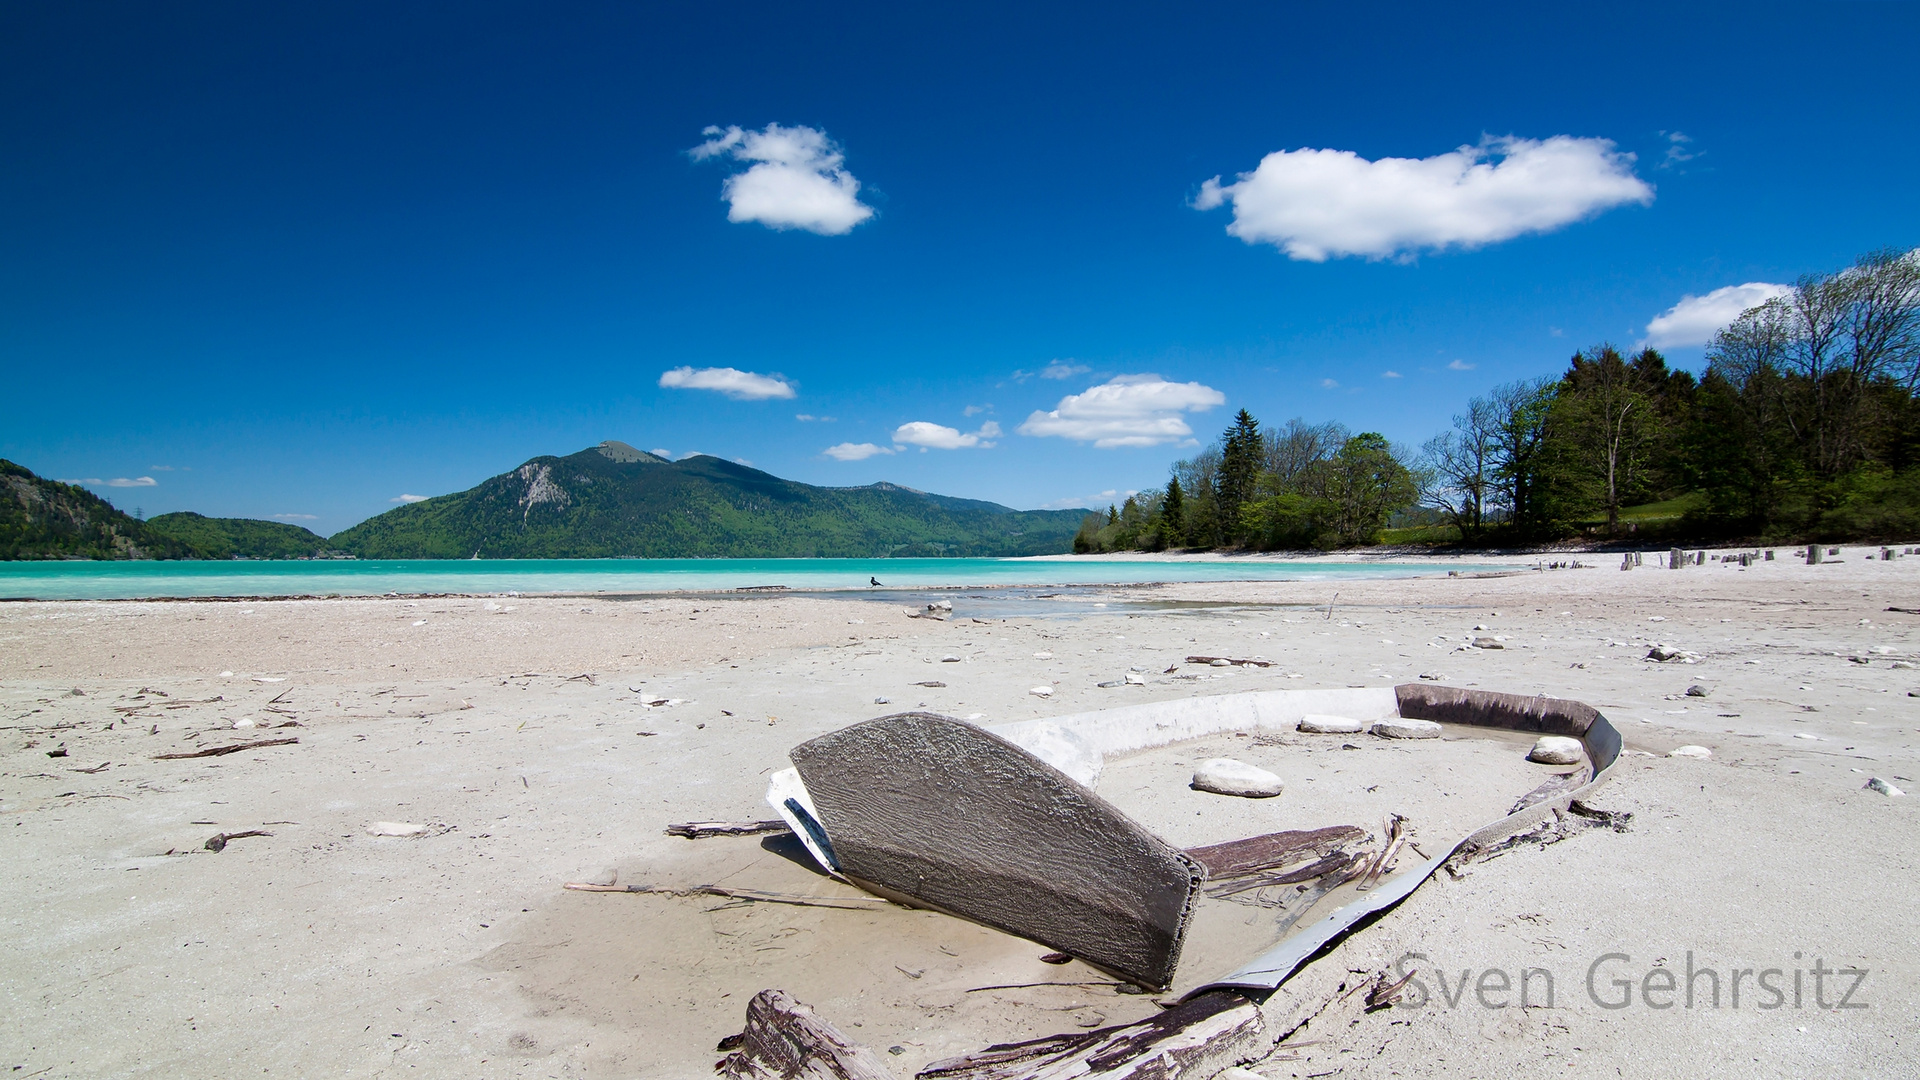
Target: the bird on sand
pixel 871 580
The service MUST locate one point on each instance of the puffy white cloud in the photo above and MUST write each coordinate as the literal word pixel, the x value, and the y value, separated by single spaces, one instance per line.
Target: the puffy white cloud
pixel 1321 204
pixel 1460 365
pixel 668 454
pixel 848 451
pixel 798 179
pixel 1127 410
pixel 1695 319
pixel 297 517
pixel 138 481
pixel 409 498
pixel 736 384
pixel 932 436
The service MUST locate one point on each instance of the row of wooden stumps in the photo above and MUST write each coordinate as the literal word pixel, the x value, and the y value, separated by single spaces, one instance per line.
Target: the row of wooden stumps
pixel 785 1040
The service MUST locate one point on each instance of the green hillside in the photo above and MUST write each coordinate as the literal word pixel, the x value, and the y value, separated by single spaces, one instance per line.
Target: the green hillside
pixel 612 500
pixel 225 538
pixel 46 519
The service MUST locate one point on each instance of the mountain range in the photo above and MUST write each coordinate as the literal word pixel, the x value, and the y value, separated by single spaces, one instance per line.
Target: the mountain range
pixel 607 501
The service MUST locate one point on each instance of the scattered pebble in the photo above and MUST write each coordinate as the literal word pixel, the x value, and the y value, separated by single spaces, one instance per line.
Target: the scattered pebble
pixel 1883 787
pixel 1331 725
pixel 882 701
pixel 1136 680
pixel 1557 750
pixel 1225 776
pixel 242 724
pixel 1690 751
pixel 1487 643
pixel 398 828
pixel 1041 691
pixel 1043 656
pixel 949 659
pixel 1111 683
pixel 1433 676
pixel 1699 690
pixel 1406 729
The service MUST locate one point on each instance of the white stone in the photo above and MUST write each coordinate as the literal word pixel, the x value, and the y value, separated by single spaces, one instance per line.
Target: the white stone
pixel 1699 690
pixel 1487 643
pixel 1883 787
pixel 242 723
pixel 1041 691
pixel 397 828
pixel 949 659
pixel 1321 724
pixel 1225 776
pixel 1043 656
pixel 1220 661
pixel 1136 680
pixel 1407 729
pixel 1557 750
pixel 1433 676
pixel 1690 751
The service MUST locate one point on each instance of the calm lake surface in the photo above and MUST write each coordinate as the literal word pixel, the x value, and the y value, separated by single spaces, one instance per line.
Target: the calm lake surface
pixel 370 577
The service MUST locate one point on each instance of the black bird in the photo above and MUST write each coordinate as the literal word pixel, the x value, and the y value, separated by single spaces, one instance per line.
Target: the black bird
pixel 871 580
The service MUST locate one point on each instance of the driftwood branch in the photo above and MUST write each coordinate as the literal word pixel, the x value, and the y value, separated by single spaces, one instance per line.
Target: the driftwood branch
pixel 216 751
pixel 696 830
pixel 1236 662
pixel 218 841
pixel 849 903
pixel 1196 1038
pixel 1238 858
pixel 784 1040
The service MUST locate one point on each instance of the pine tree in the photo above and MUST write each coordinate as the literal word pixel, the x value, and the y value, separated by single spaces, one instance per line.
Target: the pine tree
pixel 1239 470
pixel 1173 516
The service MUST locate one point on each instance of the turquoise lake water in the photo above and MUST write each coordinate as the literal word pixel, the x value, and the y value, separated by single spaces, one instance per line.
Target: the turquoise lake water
pixel 132 580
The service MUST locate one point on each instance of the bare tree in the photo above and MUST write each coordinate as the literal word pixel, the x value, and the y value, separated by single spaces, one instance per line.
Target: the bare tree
pixel 1460 467
pixel 1292 450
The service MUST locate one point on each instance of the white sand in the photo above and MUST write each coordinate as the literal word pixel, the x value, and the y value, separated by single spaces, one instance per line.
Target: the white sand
pixel 322 949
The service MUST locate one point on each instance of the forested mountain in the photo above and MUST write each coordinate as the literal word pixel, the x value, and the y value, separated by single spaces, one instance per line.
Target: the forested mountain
pixel 612 500
pixel 46 519
pixel 226 538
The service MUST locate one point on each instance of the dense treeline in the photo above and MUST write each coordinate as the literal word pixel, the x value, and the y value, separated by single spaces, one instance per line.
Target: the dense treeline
pixel 1803 424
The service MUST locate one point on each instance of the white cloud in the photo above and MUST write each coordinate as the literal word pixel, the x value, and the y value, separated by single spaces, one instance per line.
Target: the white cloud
pixel 1063 369
pixel 138 481
pixel 1329 384
pixel 1460 365
pixel 1128 410
pixel 297 517
pixel 743 461
pixel 1109 497
pixel 811 419
pixel 1390 375
pixel 1321 204
pixel 668 454
pixel 1677 152
pixel 1695 319
pixel 798 179
pixel 927 435
pixel 409 498
pixel 848 451
pixel 164 468
pixel 975 410
pixel 736 384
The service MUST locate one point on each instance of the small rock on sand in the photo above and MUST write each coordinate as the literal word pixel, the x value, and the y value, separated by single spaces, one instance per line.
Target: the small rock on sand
pixel 1041 691
pixel 1331 725
pixel 1219 661
pixel 949 659
pixel 1487 643
pixel 1406 729
pixel 1699 690
pixel 1556 750
pixel 397 828
pixel 1433 676
pixel 1690 751
pixel 1225 776
pixel 1136 680
pixel 1883 787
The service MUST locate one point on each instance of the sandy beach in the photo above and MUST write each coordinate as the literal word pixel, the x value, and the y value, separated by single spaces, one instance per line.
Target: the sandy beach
pixel 518 731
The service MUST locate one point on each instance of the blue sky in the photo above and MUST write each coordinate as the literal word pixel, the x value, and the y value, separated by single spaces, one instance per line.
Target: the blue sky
pixel 305 261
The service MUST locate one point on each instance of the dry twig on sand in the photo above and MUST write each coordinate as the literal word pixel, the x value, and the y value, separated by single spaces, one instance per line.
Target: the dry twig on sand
pixel 216 751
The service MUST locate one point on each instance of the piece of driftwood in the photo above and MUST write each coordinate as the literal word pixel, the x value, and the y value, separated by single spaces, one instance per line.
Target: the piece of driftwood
pixel 1395 836
pixel 1337 863
pixel 216 751
pixel 1238 858
pixel 1235 661
pixel 784 1040
pixel 1196 1038
pixel 218 841
pixel 1555 786
pixel 845 903
pixel 943 814
pixel 696 830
